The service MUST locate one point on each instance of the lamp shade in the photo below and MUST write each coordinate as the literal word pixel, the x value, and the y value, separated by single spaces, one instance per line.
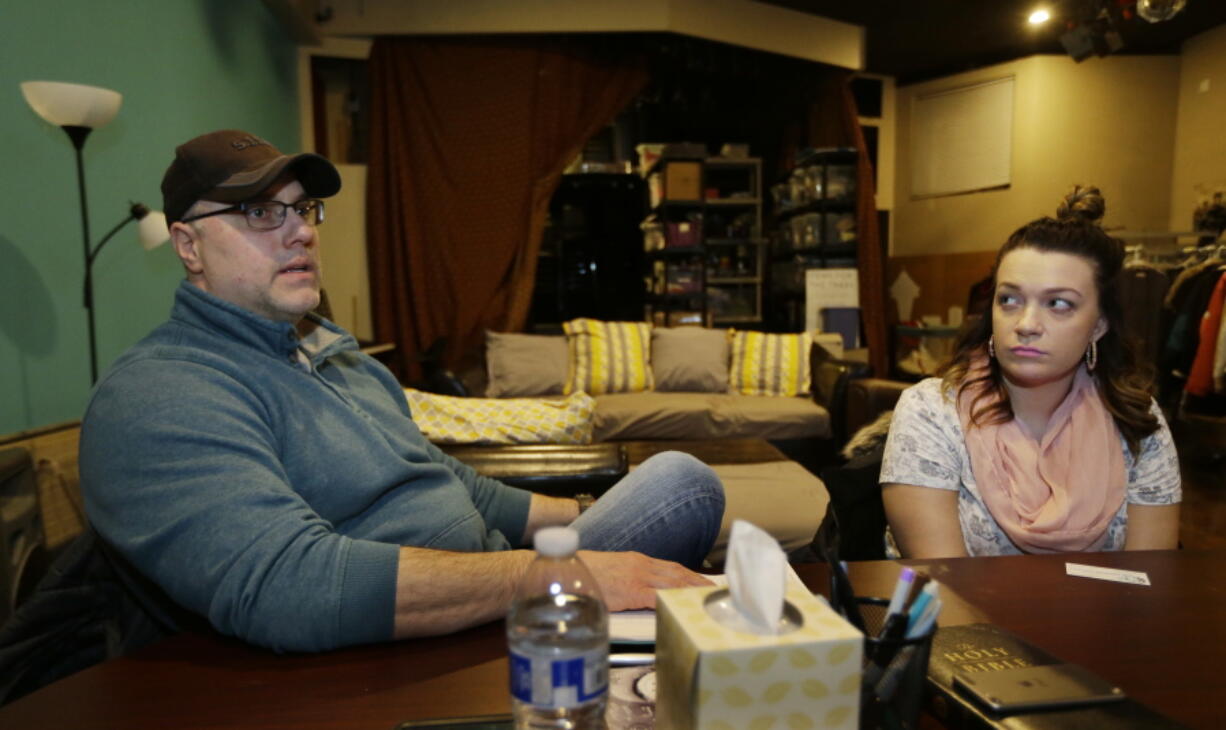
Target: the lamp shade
pixel 152 230
pixel 71 105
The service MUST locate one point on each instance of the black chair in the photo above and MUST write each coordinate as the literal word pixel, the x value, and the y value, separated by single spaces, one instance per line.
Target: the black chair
pixel 856 506
pixel 89 607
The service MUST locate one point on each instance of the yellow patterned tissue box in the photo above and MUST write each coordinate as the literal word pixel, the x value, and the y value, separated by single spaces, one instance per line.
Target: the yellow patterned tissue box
pixel 712 677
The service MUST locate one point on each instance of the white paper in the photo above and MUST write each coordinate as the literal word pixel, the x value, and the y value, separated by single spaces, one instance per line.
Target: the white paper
pixel 639 627
pixel 1113 574
pixel 829 288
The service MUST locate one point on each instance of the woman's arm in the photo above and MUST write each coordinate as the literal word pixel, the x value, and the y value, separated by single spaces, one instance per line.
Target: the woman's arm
pixel 924 520
pixel 1154 492
pixel 1152 527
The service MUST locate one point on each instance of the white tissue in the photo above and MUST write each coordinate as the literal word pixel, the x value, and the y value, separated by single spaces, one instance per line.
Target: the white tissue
pixel 757 576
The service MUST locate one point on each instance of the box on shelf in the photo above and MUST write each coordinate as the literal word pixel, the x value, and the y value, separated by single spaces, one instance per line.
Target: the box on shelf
pixel 807 230
pixel 845 321
pixel 711 675
pixel 734 150
pixel 682 280
pixel 682 234
pixel 840 182
pixel 839 228
pixel 682 180
pixel 677 318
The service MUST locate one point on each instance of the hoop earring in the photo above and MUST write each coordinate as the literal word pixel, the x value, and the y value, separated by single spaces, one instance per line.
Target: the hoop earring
pixel 1092 356
pixel 991 347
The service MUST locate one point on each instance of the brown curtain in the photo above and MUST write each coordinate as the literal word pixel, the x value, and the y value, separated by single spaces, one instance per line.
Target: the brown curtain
pixel 469 138
pixel 834 121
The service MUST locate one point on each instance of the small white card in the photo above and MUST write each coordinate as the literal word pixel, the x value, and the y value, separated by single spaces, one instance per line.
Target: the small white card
pixel 639 626
pixel 1119 576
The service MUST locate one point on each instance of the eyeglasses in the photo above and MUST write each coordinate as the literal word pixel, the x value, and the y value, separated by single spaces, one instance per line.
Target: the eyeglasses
pixel 268 215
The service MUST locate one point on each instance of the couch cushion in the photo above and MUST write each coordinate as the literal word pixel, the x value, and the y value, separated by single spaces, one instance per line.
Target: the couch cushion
pixel 608 357
pixel 521 365
pixel 690 359
pixel 781 497
pixel 773 417
pixel 769 364
pixel 657 415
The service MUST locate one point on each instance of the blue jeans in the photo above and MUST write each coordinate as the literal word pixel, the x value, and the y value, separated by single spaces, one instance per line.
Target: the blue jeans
pixel 669 507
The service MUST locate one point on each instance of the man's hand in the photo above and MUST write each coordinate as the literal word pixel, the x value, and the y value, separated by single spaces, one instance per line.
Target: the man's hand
pixel 629 580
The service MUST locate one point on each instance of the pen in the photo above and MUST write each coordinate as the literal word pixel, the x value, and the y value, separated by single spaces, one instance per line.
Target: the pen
pixel 895 624
pixel 842 595
pixel 901 589
pixel 886 681
pixel 928 593
pixel 926 619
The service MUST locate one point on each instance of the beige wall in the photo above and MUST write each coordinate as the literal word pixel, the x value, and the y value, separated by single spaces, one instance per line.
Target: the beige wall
pixel 342 255
pixel 1107 121
pixel 1200 143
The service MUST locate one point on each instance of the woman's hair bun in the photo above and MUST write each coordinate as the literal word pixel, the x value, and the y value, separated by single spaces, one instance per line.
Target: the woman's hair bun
pixel 1083 202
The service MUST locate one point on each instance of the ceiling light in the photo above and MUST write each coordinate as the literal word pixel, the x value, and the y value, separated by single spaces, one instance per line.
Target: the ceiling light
pixel 1156 11
pixel 1039 17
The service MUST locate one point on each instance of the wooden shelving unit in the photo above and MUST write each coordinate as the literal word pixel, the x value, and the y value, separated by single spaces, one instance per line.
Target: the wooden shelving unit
pixel 706 256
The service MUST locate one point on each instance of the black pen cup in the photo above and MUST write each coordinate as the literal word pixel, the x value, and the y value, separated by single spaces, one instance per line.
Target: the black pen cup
pixel 895 669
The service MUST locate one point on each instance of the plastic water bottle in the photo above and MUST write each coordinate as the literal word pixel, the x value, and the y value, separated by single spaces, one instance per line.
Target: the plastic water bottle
pixel 558 635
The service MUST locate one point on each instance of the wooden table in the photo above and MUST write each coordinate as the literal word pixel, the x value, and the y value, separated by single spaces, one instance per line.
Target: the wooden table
pixel 1164 644
pixel 709 451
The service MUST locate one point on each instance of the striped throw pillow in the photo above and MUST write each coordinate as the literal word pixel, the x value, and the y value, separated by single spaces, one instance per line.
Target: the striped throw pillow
pixel 608 357
pixel 769 364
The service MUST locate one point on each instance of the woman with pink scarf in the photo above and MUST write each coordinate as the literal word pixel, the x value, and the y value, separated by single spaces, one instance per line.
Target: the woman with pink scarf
pixel 1040 435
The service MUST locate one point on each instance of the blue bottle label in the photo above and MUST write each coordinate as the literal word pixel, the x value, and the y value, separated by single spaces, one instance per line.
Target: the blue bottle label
pixel 561 682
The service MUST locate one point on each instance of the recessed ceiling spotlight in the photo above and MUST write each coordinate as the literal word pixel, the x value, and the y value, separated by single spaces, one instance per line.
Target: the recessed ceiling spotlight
pixel 1039 17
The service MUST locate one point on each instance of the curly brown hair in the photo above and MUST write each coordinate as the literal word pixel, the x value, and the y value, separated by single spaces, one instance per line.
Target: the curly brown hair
pixel 1123 382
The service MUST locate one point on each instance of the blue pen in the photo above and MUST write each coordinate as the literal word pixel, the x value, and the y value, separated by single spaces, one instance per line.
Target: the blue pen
pixel 928 593
pixel 926 619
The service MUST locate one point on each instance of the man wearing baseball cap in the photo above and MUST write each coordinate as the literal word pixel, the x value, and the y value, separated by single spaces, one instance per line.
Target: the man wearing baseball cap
pixel 265 474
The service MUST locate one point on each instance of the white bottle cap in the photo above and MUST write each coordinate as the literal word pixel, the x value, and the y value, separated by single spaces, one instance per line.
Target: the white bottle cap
pixel 556 542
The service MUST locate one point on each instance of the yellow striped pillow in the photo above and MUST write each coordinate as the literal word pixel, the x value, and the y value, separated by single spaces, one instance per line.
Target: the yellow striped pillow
pixel 608 357
pixel 768 364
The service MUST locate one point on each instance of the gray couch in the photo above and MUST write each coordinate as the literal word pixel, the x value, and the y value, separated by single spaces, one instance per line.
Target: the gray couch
pixel 691 398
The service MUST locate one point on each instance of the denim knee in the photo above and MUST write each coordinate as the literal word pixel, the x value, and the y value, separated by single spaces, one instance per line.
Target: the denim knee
pixel 684 478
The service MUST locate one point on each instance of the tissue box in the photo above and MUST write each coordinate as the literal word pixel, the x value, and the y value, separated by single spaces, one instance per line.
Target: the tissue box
pixel 712 677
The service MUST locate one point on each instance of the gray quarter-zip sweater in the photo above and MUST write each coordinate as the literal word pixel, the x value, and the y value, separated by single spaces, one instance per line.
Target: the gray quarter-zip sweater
pixel 266 481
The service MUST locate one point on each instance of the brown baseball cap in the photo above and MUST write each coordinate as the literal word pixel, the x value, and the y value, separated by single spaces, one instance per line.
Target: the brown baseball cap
pixel 231 166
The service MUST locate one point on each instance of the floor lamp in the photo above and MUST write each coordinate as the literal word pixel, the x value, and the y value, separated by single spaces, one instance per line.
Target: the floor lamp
pixel 78 109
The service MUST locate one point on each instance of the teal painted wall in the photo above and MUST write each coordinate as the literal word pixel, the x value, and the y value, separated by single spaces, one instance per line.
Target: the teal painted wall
pixel 184 67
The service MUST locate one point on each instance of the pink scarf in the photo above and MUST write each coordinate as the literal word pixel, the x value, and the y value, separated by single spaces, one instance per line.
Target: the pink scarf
pixel 1057 494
